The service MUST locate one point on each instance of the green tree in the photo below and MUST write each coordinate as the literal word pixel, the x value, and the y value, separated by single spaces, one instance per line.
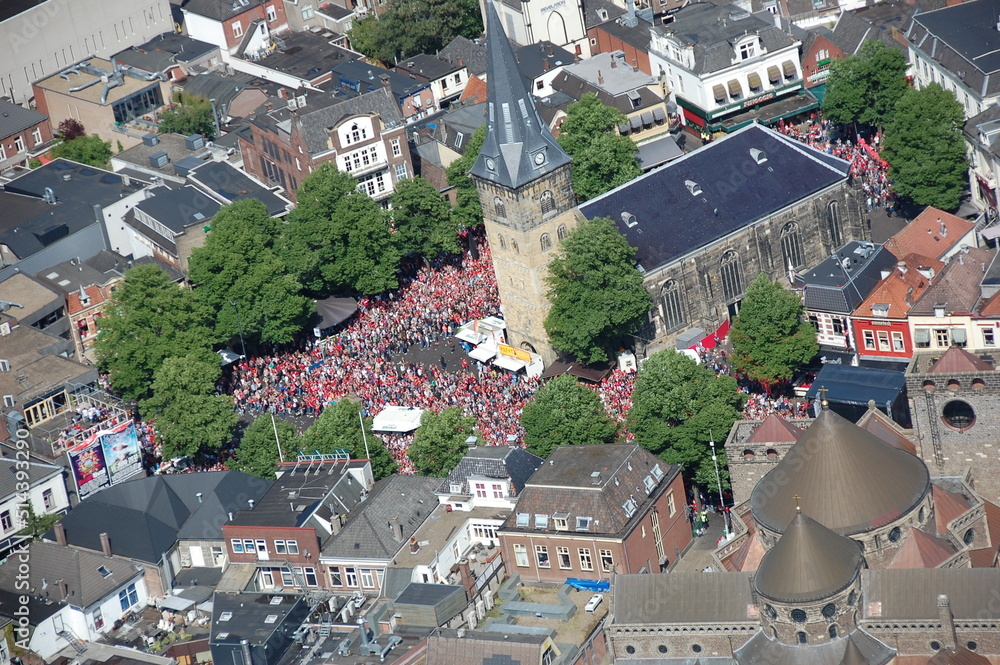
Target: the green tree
pixel 339 427
pixel 423 220
pixel 925 148
pixel 338 239
pixel 89 149
pixel 257 454
pixel 36 525
pixel 602 159
pixel 70 128
pixel 468 211
pixel 865 87
pixel 410 27
pixel 770 338
pixel 563 412
pixel 677 407
pixel 366 37
pixel 148 319
pixel 439 444
pixel 597 294
pixel 241 278
pixel 192 115
pixel 189 417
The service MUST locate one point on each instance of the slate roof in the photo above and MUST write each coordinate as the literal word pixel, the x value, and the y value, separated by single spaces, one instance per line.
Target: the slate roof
pixel 445 647
pixel 220 10
pixel 922 551
pixel 36 473
pixel 634 35
pixel 711 31
pixel 15 119
pixel 472 55
pixel 532 59
pixel 850 32
pixel 519 147
pixel 912 594
pixel 980 127
pixel 848 480
pixel 957 359
pixel 431 67
pixel 672 222
pixel 591 16
pixel 964 41
pixel 367 76
pixel 179 208
pixel 223 88
pixel 232 184
pixel 163 52
pixel 840 283
pixel 492 462
pixel 957 287
pixel 368 533
pixel 566 484
pixel 579 79
pixel 305 55
pixel 809 563
pixel 763 649
pixel 144 518
pixel 683 598
pixel 76 567
pixel 932 233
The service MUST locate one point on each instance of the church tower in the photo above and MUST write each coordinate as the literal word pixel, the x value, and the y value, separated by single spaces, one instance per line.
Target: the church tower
pixel 526 192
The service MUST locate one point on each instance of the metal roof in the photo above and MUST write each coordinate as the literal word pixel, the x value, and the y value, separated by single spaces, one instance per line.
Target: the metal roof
pixel 686 598
pixel 848 480
pixel 809 563
pixel 911 594
pixel 846 384
pixel 764 649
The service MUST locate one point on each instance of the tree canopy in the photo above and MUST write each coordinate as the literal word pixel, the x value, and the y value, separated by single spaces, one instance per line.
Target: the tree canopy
pixel 563 412
pixel 925 148
pixel 148 319
pixel 190 418
pixel 338 240
pixel 678 406
pixel 467 211
pixel 423 221
pixel 70 128
pixel 240 277
pixel 87 149
pixel 439 444
pixel 410 27
pixel 770 338
pixel 257 453
pixel 865 87
pixel 597 294
pixel 602 159
pixel 339 427
pixel 192 115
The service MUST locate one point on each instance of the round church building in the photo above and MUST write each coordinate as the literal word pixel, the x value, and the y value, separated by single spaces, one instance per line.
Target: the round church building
pixel 851 482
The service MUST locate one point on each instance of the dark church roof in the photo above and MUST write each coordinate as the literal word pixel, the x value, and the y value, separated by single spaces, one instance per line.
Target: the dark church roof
pixel 809 563
pixel 847 479
pixel 957 359
pixel 519 147
pixel 763 649
pixel 669 220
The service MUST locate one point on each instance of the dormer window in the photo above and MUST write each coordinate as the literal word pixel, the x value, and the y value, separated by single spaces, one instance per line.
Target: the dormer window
pixel 748 50
pixel 880 310
pixel 630 507
pixel 522 519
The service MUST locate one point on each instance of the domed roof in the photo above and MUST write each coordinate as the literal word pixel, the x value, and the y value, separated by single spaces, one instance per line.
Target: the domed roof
pixel 809 563
pixel 846 478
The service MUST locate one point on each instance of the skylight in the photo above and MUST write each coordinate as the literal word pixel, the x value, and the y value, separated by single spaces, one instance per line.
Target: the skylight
pixel 271 618
pixel 225 616
pixel 104 571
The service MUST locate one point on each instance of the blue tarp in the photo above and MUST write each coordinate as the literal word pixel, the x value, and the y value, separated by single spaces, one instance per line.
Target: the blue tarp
pixel 846 384
pixel 589 585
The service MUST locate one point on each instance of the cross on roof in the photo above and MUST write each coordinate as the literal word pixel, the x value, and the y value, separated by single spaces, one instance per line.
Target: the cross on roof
pixel 797 498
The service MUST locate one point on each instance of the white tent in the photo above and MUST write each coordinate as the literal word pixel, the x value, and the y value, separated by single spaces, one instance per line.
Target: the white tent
pixel 397 419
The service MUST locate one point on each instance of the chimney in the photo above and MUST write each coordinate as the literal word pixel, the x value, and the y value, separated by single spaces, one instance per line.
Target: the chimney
pixel 902 267
pixel 614 62
pixel 397 529
pixel 64 590
pixel 198 495
pixel 384 78
pixel 468 579
pixel 545 65
pixel 600 77
pixel 414 547
pixel 551 51
pixel 60 534
pixel 247 654
pixel 105 544
pixel 947 622
pixel 460 63
pixel 250 503
pixel 944 229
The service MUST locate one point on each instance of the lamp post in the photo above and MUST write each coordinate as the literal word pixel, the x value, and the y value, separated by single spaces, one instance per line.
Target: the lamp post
pixel 215 118
pixel 718 480
pixel 239 326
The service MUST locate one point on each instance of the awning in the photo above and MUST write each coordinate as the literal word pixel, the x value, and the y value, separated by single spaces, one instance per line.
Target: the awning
pixel 469 335
pixel 735 89
pixel 720 92
pixel 397 419
pixel 227 356
pixel 991 232
pixel 236 578
pixel 509 363
pixel 483 353
pixel 334 311
pixel 922 335
pixel 773 74
pixel 958 336
pixel 647 118
pixel 856 385
pixel 754 80
pixel 176 603
pixel 788 67
pixel 635 122
pixel 659 114
pixel 623 128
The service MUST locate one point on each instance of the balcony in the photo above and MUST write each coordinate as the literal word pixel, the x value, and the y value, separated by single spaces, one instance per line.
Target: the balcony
pixel 371 167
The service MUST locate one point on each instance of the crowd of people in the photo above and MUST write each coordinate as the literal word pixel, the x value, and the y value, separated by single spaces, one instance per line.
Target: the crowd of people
pixel 759 406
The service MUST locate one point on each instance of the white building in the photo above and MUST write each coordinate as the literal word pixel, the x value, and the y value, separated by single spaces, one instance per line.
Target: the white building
pixel 558 21
pixel 727 67
pixel 46 493
pixel 43 37
pixel 488 476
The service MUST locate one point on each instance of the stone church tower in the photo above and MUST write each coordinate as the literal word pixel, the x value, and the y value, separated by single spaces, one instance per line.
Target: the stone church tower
pixel 526 192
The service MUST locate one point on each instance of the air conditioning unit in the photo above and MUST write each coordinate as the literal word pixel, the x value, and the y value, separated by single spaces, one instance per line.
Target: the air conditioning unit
pixel 293 103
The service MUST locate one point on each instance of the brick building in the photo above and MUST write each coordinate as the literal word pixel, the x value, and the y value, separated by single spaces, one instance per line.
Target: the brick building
pixel 23 134
pixel 594 511
pixel 229 24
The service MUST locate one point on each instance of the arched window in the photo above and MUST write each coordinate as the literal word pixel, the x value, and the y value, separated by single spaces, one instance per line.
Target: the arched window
pixel 732 276
pixel 546 242
pixel 499 208
pixel 562 232
pixel 802 637
pixel 548 202
pixel 791 246
pixel 833 221
pixel 671 305
pixel 513 244
pixel 833 630
pixel 503 243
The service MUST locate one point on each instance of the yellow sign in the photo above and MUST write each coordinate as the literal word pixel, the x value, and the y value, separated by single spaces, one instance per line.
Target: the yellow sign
pixel 520 354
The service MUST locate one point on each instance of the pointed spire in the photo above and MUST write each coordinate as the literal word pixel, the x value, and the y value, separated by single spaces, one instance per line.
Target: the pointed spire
pixel 84 298
pixel 519 147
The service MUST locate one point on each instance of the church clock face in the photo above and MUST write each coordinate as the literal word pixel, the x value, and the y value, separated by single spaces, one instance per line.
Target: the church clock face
pixel 490 164
pixel 540 159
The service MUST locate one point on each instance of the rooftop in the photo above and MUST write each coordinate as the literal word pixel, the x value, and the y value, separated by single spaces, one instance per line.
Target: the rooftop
pixel 933 233
pixel 430 67
pixel 29 293
pixel 471 53
pixel 671 221
pixel 969 29
pixel 611 73
pixel 365 77
pixel 956 289
pixel 840 283
pixel 534 60
pixel 232 184
pixel 511 462
pixel 438 529
pixel 100 269
pixel 180 208
pixel 305 55
pixel 15 119
pixel 220 10
pixel 93 71
pixel 36 364
pixel 11 469
pixel 912 594
pixel 163 52
pixel 254 616
pixel 176 148
pixel 894 296
pixel 694 598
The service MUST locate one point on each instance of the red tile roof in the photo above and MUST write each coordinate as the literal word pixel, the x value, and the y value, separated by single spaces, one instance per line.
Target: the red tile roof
pixel 775 429
pixel 990 306
pixel 924 234
pixel 956 359
pixel 475 89
pixel 947 506
pixel 877 423
pixel 921 551
pixel 73 299
pixel 747 558
pixel 900 289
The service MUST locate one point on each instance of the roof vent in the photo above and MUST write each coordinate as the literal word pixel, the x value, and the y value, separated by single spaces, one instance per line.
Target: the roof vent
pixel 758 155
pixel 693 187
pixel 629 219
pixel 602 14
pixel 595 477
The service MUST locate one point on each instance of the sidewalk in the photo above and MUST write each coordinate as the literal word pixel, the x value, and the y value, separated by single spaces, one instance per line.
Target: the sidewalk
pixel 699 555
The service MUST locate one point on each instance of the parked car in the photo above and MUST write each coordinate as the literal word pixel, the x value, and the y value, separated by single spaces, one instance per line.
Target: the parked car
pixel 594 601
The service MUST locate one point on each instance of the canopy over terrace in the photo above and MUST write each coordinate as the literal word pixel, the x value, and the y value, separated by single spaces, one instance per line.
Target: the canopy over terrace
pixel 334 311
pixel 397 419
